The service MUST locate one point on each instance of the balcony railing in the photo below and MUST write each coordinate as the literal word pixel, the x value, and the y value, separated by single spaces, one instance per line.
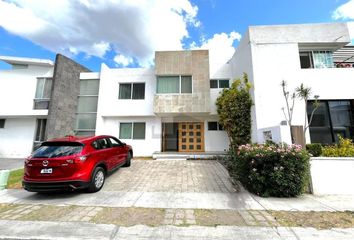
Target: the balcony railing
pixel 344 65
pixel 41 103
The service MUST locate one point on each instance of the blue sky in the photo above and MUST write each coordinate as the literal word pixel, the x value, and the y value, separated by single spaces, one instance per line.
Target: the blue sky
pixel 126 33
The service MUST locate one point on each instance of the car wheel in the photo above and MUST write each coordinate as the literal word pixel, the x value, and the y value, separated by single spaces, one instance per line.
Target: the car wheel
pixel 97 181
pixel 128 160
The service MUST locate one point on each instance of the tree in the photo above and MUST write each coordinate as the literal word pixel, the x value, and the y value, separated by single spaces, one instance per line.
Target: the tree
pixel 289 106
pixel 304 93
pixel 234 109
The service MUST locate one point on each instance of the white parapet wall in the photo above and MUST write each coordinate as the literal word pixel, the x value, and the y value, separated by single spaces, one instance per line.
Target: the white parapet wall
pixel 278 134
pixel 332 175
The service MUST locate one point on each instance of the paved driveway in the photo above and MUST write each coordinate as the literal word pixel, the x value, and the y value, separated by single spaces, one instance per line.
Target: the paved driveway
pixel 171 176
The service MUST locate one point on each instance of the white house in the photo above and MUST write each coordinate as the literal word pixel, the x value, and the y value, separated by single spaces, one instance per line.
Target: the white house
pixel 38 100
pixel 312 54
pixel 171 107
pixel 23 92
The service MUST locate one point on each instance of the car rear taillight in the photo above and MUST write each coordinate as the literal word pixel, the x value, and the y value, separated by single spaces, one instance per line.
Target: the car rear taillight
pixel 81 159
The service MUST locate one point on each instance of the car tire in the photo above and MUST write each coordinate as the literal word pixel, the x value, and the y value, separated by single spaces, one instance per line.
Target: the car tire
pixel 128 160
pixel 98 179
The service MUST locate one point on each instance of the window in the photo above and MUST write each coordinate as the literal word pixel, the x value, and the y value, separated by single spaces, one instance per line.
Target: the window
pixel 102 143
pixel 87 107
pixel 41 125
pixel 316 59
pixel 57 149
pixel 115 142
pixel 174 84
pixel 214 126
pixel 43 92
pixel 330 119
pixel 131 91
pixel 2 123
pixel 43 89
pixel 132 130
pixel 219 83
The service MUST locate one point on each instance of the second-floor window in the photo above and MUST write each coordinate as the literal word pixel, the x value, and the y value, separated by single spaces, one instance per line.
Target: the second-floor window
pixel 174 84
pixel 219 83
pixel 316 59
pixel 43 89
pixel 131 91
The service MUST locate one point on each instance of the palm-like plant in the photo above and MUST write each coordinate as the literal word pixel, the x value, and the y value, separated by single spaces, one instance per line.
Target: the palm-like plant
pixel 304 93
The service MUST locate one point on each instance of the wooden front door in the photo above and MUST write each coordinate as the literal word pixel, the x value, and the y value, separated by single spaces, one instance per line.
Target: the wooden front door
pixel 191 137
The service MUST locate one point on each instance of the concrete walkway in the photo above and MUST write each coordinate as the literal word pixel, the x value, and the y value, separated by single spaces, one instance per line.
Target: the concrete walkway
pixel 233 201
pixel 63 230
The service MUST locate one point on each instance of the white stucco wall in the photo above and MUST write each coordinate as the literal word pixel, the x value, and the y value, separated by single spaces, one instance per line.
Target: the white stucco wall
pixel 18 88
pixel 16 139
pixel 279 134
pixel 146 147
pixel 332 175
pixel 108 102
pixel 241 63
pixel 215 141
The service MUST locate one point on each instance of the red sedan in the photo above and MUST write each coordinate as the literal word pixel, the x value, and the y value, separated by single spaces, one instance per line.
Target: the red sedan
pixel 72 163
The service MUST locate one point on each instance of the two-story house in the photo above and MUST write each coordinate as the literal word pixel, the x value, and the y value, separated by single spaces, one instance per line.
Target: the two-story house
pixel 169 108
pixel 313 54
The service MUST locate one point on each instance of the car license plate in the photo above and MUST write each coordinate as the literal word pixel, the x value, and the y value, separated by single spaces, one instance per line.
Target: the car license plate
pixel 47 170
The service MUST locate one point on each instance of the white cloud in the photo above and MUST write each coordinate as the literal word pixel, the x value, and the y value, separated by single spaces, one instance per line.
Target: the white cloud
pixel 220 48
pixel 122 60
pixel 346 12
pixel 133 29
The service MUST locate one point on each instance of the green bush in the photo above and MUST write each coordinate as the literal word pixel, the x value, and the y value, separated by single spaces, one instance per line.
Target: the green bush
pixel 345 148
pixel 234 110
pixel 272 170
pixel 315 149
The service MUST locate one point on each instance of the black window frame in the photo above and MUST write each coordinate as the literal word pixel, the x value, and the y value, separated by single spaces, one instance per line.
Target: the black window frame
pixel 217 126
pixel 330 119
pixel 215 83
pixel 2 123
pixel 133 91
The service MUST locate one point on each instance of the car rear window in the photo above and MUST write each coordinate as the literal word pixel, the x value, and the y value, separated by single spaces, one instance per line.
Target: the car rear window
pixel 57 149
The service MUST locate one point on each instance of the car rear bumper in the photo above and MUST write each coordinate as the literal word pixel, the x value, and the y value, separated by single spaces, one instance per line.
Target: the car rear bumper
pixel 33 186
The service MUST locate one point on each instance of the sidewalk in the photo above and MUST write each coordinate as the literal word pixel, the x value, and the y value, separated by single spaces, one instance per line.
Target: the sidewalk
pixel 233 201
pixel 79 230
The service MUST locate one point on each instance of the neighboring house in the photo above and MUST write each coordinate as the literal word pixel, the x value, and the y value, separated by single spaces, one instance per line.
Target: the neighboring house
pixel 38 100
pixel 171 107
pixel 312 54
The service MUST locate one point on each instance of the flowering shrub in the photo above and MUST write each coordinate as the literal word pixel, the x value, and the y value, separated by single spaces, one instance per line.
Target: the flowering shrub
pixel 272 170
pixel 345 148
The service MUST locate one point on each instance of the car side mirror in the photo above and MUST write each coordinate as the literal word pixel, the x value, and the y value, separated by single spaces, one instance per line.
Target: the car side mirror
pixel 124 144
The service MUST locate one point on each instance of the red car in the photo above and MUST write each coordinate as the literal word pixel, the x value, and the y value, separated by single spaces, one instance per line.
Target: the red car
pixel 72 163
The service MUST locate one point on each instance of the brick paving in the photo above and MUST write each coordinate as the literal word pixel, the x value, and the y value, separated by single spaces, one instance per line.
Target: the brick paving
pixel 179 217
pixel 171 176
pixel 133 216
pixel 83 214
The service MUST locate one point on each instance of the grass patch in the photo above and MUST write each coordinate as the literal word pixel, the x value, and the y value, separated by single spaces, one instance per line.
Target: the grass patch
pixel 214 217
pixel 319 220
pixel 15 179
pixel 130 216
